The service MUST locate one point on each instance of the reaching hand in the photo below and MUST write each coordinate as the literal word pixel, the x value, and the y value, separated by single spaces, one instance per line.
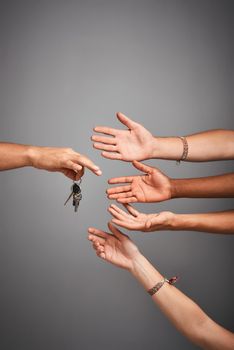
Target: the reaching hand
pixel 63 160
pixel 115 248
pixel 154 186
pixel 136 143
pixel 133 220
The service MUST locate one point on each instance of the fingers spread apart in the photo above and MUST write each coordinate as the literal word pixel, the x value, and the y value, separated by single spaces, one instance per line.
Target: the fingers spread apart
pixel 123 219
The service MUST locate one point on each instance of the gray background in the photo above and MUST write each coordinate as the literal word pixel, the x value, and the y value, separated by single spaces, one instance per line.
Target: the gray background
pixel 65 67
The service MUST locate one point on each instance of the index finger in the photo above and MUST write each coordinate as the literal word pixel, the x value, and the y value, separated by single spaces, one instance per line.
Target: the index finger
pixel 106 130
pixel 86 162
pixel 97 232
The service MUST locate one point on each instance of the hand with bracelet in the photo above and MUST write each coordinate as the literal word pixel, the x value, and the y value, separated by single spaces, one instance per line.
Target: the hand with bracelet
pixel 155 186
pixel 184 314
pixel 137 143
pixel 217 222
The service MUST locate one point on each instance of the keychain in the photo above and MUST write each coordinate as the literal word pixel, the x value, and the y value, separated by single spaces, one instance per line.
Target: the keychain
pixel 75 194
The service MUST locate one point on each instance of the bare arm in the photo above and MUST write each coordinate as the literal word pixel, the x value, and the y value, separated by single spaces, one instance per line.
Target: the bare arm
pixel 63 160
pixel 135 142
pixel 217 222
pixel 221 186
pixel 184 314
pixel 204 146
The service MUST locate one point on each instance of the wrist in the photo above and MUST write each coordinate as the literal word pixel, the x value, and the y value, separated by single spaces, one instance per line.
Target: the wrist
pixel 144 272
pixel 170 148
pixel 162 221
pixel 33 156
pixel 184 222
pixel 157 146
pixel 137 263
pixel 175 193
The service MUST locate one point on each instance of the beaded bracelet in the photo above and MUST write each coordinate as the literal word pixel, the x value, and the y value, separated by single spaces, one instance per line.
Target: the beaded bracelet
pixel 185 149
pixel 159 285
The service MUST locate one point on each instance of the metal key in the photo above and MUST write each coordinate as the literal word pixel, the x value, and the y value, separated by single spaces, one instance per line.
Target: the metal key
pixel 77 196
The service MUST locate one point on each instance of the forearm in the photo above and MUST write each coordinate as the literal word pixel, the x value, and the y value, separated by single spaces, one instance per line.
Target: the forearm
pixel 14 156
pixel 186 316
pixel 207 187
pixel 204 146
pixel 217 222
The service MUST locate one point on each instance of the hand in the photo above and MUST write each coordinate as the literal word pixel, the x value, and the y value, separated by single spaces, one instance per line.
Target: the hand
pixel 136 143
pixel 154 186
pixel 133 220
pixel 115 248
pixel 63 160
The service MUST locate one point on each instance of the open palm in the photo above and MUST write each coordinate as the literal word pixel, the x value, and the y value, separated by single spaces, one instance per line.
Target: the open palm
pixel 115 248
pixel 135 143
pixel 153 186
pixel 134 220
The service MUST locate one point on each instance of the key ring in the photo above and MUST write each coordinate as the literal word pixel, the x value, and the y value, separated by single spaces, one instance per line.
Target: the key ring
pixel 78 182
pixel 75 194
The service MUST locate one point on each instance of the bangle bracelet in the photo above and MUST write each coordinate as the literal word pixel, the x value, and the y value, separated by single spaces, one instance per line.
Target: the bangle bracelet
pixel 185 149
pixel 159 285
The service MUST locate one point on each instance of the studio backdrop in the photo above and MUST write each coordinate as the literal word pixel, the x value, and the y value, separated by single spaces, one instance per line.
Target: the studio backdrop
pixel 66 66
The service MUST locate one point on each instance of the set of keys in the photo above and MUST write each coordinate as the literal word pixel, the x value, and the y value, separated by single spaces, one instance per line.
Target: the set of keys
pixel 76 195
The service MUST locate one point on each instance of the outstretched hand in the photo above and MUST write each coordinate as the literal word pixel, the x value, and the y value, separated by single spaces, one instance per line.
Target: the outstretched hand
pixel 153 186
pixel 116 248
pixel 134 220
pixel 135 143
pixel 64 160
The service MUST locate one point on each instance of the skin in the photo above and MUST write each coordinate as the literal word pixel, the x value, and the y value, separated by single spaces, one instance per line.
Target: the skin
pixel 189 319
pixel 135 142
pixel 155 186
pixel 218 222
pixel 64 160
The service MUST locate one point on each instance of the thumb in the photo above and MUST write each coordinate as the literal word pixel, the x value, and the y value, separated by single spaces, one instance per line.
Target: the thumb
pixel 117 233
pixel 151 223
pixel 130 124
pixel 142 167
pixel 148 224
